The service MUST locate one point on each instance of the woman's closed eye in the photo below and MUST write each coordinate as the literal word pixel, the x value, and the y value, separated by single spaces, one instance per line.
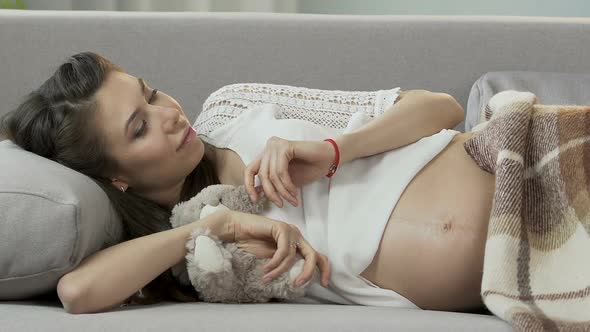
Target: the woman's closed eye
pixel 152 96
pixel 141 131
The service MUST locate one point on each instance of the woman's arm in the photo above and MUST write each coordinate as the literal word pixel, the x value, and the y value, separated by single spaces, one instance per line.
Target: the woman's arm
pixel 417 114
pixel 110 276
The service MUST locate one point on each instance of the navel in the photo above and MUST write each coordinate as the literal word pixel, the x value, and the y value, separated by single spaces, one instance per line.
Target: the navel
pixel 447 223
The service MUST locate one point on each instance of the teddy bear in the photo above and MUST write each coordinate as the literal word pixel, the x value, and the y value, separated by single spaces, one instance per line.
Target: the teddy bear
pixel 220 271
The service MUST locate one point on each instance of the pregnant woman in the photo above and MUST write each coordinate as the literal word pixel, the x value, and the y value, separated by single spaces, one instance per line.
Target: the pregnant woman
pixel 382 198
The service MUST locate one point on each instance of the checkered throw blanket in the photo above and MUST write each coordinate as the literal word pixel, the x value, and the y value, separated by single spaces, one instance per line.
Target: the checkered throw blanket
pixel 537 256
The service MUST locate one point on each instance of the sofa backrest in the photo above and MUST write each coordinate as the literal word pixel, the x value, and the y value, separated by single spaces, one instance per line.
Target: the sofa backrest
pixel 191 54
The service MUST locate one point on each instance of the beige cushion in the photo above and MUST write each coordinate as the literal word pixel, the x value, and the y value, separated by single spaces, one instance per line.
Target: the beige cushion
pixel 549 87
pixel 51 218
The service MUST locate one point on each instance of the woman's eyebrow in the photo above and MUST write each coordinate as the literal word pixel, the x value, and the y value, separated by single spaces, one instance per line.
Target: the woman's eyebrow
pixel 134 114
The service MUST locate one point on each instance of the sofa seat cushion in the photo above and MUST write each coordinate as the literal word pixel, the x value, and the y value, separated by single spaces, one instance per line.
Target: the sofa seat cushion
pixel 171 316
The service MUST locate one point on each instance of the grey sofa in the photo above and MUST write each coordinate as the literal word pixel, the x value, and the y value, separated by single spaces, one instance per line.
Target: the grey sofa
pixel 189 55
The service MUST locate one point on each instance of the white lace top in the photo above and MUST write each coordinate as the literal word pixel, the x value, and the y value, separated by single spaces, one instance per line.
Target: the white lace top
pixel 347 228
pixel 327 108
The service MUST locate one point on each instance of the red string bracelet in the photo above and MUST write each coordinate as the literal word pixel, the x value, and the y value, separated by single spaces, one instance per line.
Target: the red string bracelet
pixel 334 166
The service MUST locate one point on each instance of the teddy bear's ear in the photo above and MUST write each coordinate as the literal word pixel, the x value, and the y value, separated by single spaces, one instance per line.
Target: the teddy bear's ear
pixel 177 207
pixel 237 199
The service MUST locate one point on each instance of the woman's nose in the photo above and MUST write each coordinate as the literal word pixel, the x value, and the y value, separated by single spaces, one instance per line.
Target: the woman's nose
pixel 172 122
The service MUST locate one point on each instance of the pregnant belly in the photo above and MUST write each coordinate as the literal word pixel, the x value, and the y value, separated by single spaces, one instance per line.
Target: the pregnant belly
pixel 431 251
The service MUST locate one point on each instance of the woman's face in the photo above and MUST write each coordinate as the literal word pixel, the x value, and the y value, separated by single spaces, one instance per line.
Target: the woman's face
pixel 146 148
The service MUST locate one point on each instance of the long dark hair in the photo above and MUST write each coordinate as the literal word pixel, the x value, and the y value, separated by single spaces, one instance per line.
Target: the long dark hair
pixel 55 122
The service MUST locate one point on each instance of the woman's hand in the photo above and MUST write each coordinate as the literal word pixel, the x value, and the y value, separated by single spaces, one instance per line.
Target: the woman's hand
pixel 258 235
pixel 260 248
pixel 285 165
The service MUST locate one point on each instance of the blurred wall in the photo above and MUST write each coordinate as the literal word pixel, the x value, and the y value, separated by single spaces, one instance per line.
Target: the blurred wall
pixel 449 7
pixel 287 6
pixel 368 7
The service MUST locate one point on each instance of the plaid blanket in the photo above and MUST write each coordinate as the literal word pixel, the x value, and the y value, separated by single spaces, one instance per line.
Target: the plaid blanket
pixel 537 256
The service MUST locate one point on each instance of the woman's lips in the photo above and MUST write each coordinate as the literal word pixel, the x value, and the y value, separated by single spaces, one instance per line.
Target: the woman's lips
pixel 189 137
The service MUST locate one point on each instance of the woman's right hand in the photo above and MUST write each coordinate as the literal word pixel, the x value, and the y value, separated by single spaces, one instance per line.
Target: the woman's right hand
pixel 254 228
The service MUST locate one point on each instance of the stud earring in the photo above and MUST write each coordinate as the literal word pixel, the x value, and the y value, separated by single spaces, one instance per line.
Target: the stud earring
pixel 121 187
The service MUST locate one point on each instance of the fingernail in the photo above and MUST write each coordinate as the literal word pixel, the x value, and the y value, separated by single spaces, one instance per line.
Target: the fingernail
pixel 265 280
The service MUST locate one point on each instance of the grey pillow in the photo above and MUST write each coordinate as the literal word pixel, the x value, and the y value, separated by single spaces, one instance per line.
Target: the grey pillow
pixel 549 87
pixel 51 218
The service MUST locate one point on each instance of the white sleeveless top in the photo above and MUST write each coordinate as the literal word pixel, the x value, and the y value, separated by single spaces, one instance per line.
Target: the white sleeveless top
pixel 330 216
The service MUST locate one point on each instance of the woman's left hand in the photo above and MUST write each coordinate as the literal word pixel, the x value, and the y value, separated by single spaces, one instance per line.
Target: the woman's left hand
pixel 285 165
